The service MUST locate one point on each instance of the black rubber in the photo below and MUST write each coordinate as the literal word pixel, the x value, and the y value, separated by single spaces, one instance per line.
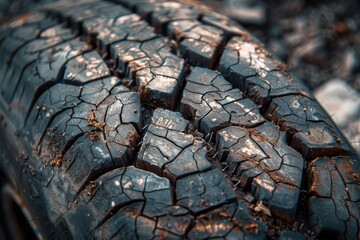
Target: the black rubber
pixel 151 119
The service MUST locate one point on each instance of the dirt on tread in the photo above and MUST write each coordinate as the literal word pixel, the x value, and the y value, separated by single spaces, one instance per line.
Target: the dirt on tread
pixel 154 119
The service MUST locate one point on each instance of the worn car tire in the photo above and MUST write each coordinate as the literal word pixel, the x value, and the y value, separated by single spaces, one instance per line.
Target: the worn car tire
pixel 151 119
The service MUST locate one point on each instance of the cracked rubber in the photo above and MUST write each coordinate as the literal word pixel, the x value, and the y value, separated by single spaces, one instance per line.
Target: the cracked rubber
pixel 152 119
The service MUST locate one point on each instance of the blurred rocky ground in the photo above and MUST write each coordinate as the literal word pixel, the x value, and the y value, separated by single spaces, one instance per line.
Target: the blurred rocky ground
pixel 319 39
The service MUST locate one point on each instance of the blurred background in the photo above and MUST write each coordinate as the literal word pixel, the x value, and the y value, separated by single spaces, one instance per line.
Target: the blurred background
pixel 319 39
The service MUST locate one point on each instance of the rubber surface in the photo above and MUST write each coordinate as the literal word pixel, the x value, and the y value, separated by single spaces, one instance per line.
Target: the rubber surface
pixel 153 119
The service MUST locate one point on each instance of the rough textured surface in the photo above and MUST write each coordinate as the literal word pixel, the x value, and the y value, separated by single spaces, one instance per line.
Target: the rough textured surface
pixel 167 151
pixel 260 160
pixel 313 134
pixel 334 201
pixel 213 103
pixel 129 131
pixel 247 65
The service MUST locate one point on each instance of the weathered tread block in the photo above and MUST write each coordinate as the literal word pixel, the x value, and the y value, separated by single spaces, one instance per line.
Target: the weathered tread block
pixel 120 188
pixel 46 71
pixel 226 222
pixel 334 210
pixel 230 27
pixel 198 43
pixel 104 113
pixel 246 64
pixel 159 14
pixel 56 98
pixel 311 131
pixel 127 224
pixel 158 73
pixel 90 139
pixel 168 151
pixel 213 103
pixel 264 164
pixel 18 33
pixel 203 191
pixel 85 68
pixel 23 44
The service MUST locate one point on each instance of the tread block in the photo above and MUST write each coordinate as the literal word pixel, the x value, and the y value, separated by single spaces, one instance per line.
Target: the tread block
pixel 203 191
pixel 242 59
pixel 42 74
pixel 324 220
pixel 312 132
pixel 86 140
pixel 25 50
pixel 216 223
pixel 246 64
pixel 87 159
pixel 90 10
pixel 157 72
pixel 170 120
pixel 168 151
pixel 334 185
pixel 161 13
pixel 19 36
pixel 229 26
pixel 262 162
pixel 145 227
pixel 229 221
pixel 56 99
pixel 122 187
pixel 318 142
pixel 85 68
pixel 73 121
pixel 135 184
pixel 262 88
pixel 213 103
pixel 113 119
pixel 198 43
pixel 177 225
pixel 125 27
pixel 125 225
pixel 104 20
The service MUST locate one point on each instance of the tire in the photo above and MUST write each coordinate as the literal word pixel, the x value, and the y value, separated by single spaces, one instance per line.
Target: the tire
pixel 149 119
